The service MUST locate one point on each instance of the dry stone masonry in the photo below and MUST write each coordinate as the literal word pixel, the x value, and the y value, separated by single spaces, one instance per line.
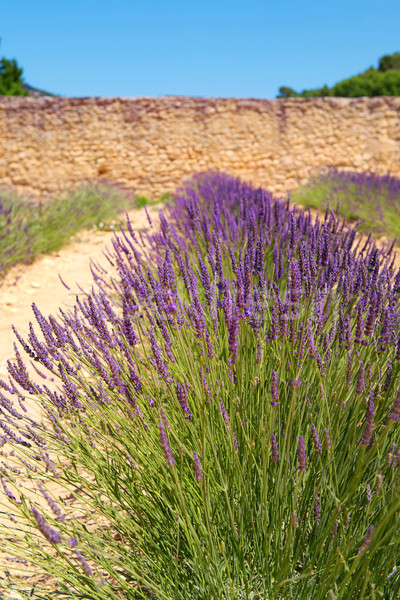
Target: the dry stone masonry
pixel 151 145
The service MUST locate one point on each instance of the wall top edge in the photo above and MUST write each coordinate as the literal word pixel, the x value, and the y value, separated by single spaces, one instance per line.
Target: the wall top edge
pixel 190 99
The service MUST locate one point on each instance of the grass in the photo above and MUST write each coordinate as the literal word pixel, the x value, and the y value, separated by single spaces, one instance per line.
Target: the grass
pixel 29 229
pixel 371 199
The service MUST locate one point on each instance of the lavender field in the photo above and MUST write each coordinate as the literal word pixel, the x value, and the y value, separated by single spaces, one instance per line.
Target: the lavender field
pixel 369 199
pixel 29 228
pixel 224 412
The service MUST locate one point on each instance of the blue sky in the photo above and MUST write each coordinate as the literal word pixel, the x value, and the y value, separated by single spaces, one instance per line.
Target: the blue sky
pixel 205 48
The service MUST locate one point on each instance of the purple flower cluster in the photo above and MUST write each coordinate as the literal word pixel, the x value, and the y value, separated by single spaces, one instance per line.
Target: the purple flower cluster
pixel 274 449
pixel 51 534
pixel 197 467
pixel 301 453
pixel 165 445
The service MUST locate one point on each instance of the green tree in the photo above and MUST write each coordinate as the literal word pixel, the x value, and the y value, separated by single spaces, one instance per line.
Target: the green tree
pixel 11 81
pixel 287 92
pixel 384 81
pixel 371 83
pixel 390 62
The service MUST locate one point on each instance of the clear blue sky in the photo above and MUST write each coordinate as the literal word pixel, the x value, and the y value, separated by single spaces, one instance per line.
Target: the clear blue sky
pixel 214 48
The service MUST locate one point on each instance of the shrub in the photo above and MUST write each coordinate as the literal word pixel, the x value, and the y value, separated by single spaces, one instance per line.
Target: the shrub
pixel 370 198
pixel 226 413
pixel 28 228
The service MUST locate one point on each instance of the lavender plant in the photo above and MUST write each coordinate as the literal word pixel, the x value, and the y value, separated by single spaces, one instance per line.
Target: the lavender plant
pixel 29 228
pixel 223 415
pixel 369 198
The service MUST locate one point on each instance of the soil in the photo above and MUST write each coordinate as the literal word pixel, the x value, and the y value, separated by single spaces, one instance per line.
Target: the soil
pixel 39 282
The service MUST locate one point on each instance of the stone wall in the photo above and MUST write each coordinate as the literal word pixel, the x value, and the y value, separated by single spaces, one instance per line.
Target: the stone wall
pixel 152 144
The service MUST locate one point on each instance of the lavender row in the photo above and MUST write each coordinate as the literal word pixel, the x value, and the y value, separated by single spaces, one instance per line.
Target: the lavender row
pixel 239 378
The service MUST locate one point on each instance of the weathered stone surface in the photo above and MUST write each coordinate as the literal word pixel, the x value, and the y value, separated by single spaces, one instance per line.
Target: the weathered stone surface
pixel 153 144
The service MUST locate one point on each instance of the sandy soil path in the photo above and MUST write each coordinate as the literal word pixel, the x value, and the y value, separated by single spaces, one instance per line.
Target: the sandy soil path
pixel 40 283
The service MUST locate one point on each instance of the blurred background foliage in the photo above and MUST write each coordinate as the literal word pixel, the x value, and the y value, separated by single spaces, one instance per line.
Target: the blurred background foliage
pixel 383 81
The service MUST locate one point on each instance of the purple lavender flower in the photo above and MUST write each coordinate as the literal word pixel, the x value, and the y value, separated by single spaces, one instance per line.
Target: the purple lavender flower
pixel 235 442
pixel 164 418
pixel 369 422
pixel 395 415
pixel 371 317
pixel 157 359
pixel 206 387
pixel 167 276
pixel 301 453
pixel 182 395
pixel 51 534
pixel 53 505
pixel 49 465
pixel 166 447
pixel 360 379
pixel 7 491
pixel 316 440
pixel 293 231
pixel 87 569
pixel 274 389
pixel 233 329
pixel 274 449
pixel 367 540
pixel 223 412
pixel 197 467
pixel 294 282
pixel 388 377
pixel 359 325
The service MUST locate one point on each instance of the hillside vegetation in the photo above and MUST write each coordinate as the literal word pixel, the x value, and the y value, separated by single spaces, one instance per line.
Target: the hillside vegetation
pixel 383 81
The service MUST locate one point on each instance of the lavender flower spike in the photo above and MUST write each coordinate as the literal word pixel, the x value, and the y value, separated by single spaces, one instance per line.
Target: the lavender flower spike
pixel 317 441
pixel 369 418
pixel 395 415
pixel 197 467
pixel 274 449
pixel 166 447
pixel 301 453
pixel 367 540
pixel 182 396
pixel 53 505
pixel 51 534
pixel 87 569
pixel 274 389
pixel 327 440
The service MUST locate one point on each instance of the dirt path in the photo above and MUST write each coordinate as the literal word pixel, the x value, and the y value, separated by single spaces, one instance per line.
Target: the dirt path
pixel 40 283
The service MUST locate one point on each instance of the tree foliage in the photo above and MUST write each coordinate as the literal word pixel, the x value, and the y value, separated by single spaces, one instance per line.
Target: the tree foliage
pixel 11 81
pixel 389 62
pixel 384 81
